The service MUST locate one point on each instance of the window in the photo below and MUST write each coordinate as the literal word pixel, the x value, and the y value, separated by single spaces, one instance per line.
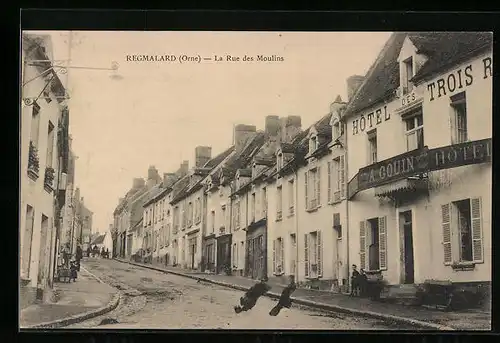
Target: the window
pixel 236 214
pixel 313 145
pixel 223 216
pixel 372 147
pixel 338 130
pixel 313 255
pixel 212 221
pixel 336 225
pixel 414 131
pixel 279 203
pixel 252 208
pixel 336 179
pixel 462 232
pixel 278 256
pixel 35 124
pixel 264 201
pixel 184 215
pixel 50 145
pixel 459 118
pixel 197 215
pixel 279 161
pixel 312 188
pixel 176 219
pixel 291 197
pixel 408 74
pixel 190 214
pixel 234 255
pixel 373 243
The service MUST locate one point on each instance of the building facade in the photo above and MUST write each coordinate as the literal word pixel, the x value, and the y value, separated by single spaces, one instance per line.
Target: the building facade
pixel 44 144
pixel 421 172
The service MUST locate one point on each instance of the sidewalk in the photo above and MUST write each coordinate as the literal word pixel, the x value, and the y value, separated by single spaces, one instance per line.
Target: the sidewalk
pixel 73 302
pixel 464 320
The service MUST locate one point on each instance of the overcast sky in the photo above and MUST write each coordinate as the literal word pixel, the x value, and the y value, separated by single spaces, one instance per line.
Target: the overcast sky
pixel 158 112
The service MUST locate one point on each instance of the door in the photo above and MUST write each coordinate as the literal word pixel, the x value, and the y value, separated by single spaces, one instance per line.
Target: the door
pixel 43 251
pixel 409 274
pixel 192 253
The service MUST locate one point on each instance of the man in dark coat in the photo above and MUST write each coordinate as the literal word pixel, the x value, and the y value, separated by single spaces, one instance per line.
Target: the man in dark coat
pixel 355 286
pixel 78 257
pixel 284 300
pixel 248 301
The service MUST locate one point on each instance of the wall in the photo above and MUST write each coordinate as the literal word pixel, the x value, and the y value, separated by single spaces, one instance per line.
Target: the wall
pixel 33 192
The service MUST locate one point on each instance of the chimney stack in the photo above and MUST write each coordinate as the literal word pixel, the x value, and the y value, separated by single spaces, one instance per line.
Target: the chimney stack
pixel 138 183
pixel 242 133
pixel 202 154
pixel 183 170
pixel 273 126
pixel 291 126
pixel 169 179
pixel 353 84
pixel 153 176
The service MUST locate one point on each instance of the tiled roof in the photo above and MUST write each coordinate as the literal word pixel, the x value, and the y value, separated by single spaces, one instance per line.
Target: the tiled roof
pixel 214 162
pixel 383 77
pixel 447 48
pixel 244 158
pixel 441 48
pixel 137 225
pixel 151 194
pixel 179 188
pixel 246 172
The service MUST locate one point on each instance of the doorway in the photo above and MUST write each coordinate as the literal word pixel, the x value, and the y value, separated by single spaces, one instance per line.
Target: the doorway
pixel 407 237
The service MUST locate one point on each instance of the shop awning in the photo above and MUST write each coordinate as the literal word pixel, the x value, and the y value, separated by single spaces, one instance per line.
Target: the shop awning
pixel 401 186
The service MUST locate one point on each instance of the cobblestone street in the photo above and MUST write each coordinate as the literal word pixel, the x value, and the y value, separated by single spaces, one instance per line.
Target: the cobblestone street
pixel 155 300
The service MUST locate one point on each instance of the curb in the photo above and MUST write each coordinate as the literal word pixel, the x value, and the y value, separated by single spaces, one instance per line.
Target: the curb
pixel 83 316
pixel 310 303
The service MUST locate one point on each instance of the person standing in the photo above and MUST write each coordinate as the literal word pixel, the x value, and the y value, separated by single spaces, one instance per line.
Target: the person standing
pixel 78 257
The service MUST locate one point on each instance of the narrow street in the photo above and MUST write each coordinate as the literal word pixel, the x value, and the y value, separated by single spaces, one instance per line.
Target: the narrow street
pixel 166 301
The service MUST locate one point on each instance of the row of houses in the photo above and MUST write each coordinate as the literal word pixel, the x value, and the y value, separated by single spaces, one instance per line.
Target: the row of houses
pixel 44 168
pixel 396 180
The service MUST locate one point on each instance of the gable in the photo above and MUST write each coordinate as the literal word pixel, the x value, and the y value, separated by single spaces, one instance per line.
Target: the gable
pixel 407 50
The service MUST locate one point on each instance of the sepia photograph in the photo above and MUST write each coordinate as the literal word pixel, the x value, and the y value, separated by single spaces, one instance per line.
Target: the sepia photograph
pixel 255 180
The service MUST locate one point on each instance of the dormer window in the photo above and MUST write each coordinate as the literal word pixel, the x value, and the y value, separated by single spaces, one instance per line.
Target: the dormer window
pixel 279 160
pixel 313 144
pixel 408 72
pixel 337 129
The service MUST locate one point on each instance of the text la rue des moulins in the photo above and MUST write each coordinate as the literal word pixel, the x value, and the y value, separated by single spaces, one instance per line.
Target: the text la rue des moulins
pixel 197 58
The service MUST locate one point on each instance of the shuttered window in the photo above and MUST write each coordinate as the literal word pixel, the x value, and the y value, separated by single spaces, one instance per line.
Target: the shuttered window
pixel 319 257
pixel 274 256
pixel 362 244
pixel 446 227
pixel 318 186
pixel 329 183
pixel 306 192
pixel 282 255
pixel 477 234
pixel 342 175
pixel 306 255
pixel 382 227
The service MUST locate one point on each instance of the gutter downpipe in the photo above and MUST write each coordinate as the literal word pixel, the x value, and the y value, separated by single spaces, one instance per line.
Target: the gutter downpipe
pixel 296 224
pixel 346 172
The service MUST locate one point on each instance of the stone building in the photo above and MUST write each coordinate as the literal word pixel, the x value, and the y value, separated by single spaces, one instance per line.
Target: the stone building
pixel 419 163
pixel 44 152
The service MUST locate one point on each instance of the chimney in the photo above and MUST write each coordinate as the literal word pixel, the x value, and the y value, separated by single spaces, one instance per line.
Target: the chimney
pixel 153 176
pixel 242 133
pixel 353 83
pixel 138 183
pixel 291 126
pixel 337 104
pixel 169 179
pixel 273 126
pixel 183 170
pixel 202 154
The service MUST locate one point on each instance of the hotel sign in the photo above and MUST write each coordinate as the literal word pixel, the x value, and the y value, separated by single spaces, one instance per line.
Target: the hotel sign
pixel 420 161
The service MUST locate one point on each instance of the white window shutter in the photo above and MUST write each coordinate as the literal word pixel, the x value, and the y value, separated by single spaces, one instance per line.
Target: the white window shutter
pixel 362 244
pixel 382 251
pixel 342 176
pixel 274 256
pixel 320 253
pixel 318 182
pixel 306 193
pixel 477 234
pixel 257 206
pixel 446 225
pixel 306 256
pixel 329 169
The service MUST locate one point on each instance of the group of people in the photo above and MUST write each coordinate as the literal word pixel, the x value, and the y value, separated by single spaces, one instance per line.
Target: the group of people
pixel 94 252
pixel 359 282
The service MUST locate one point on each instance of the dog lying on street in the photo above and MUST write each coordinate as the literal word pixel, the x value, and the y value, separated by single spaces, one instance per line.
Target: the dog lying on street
pixel 248 301
pixel 284 300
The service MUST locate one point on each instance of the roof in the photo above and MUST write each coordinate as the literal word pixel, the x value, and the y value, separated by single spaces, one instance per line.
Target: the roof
pixel 447 48
pixel 214 162
pixel 179 189
pixel 137 225
pixel 99 239
pixel 246 172
pixel 243 159
pixel 442 49
pixel 382 78
pixel 152 194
